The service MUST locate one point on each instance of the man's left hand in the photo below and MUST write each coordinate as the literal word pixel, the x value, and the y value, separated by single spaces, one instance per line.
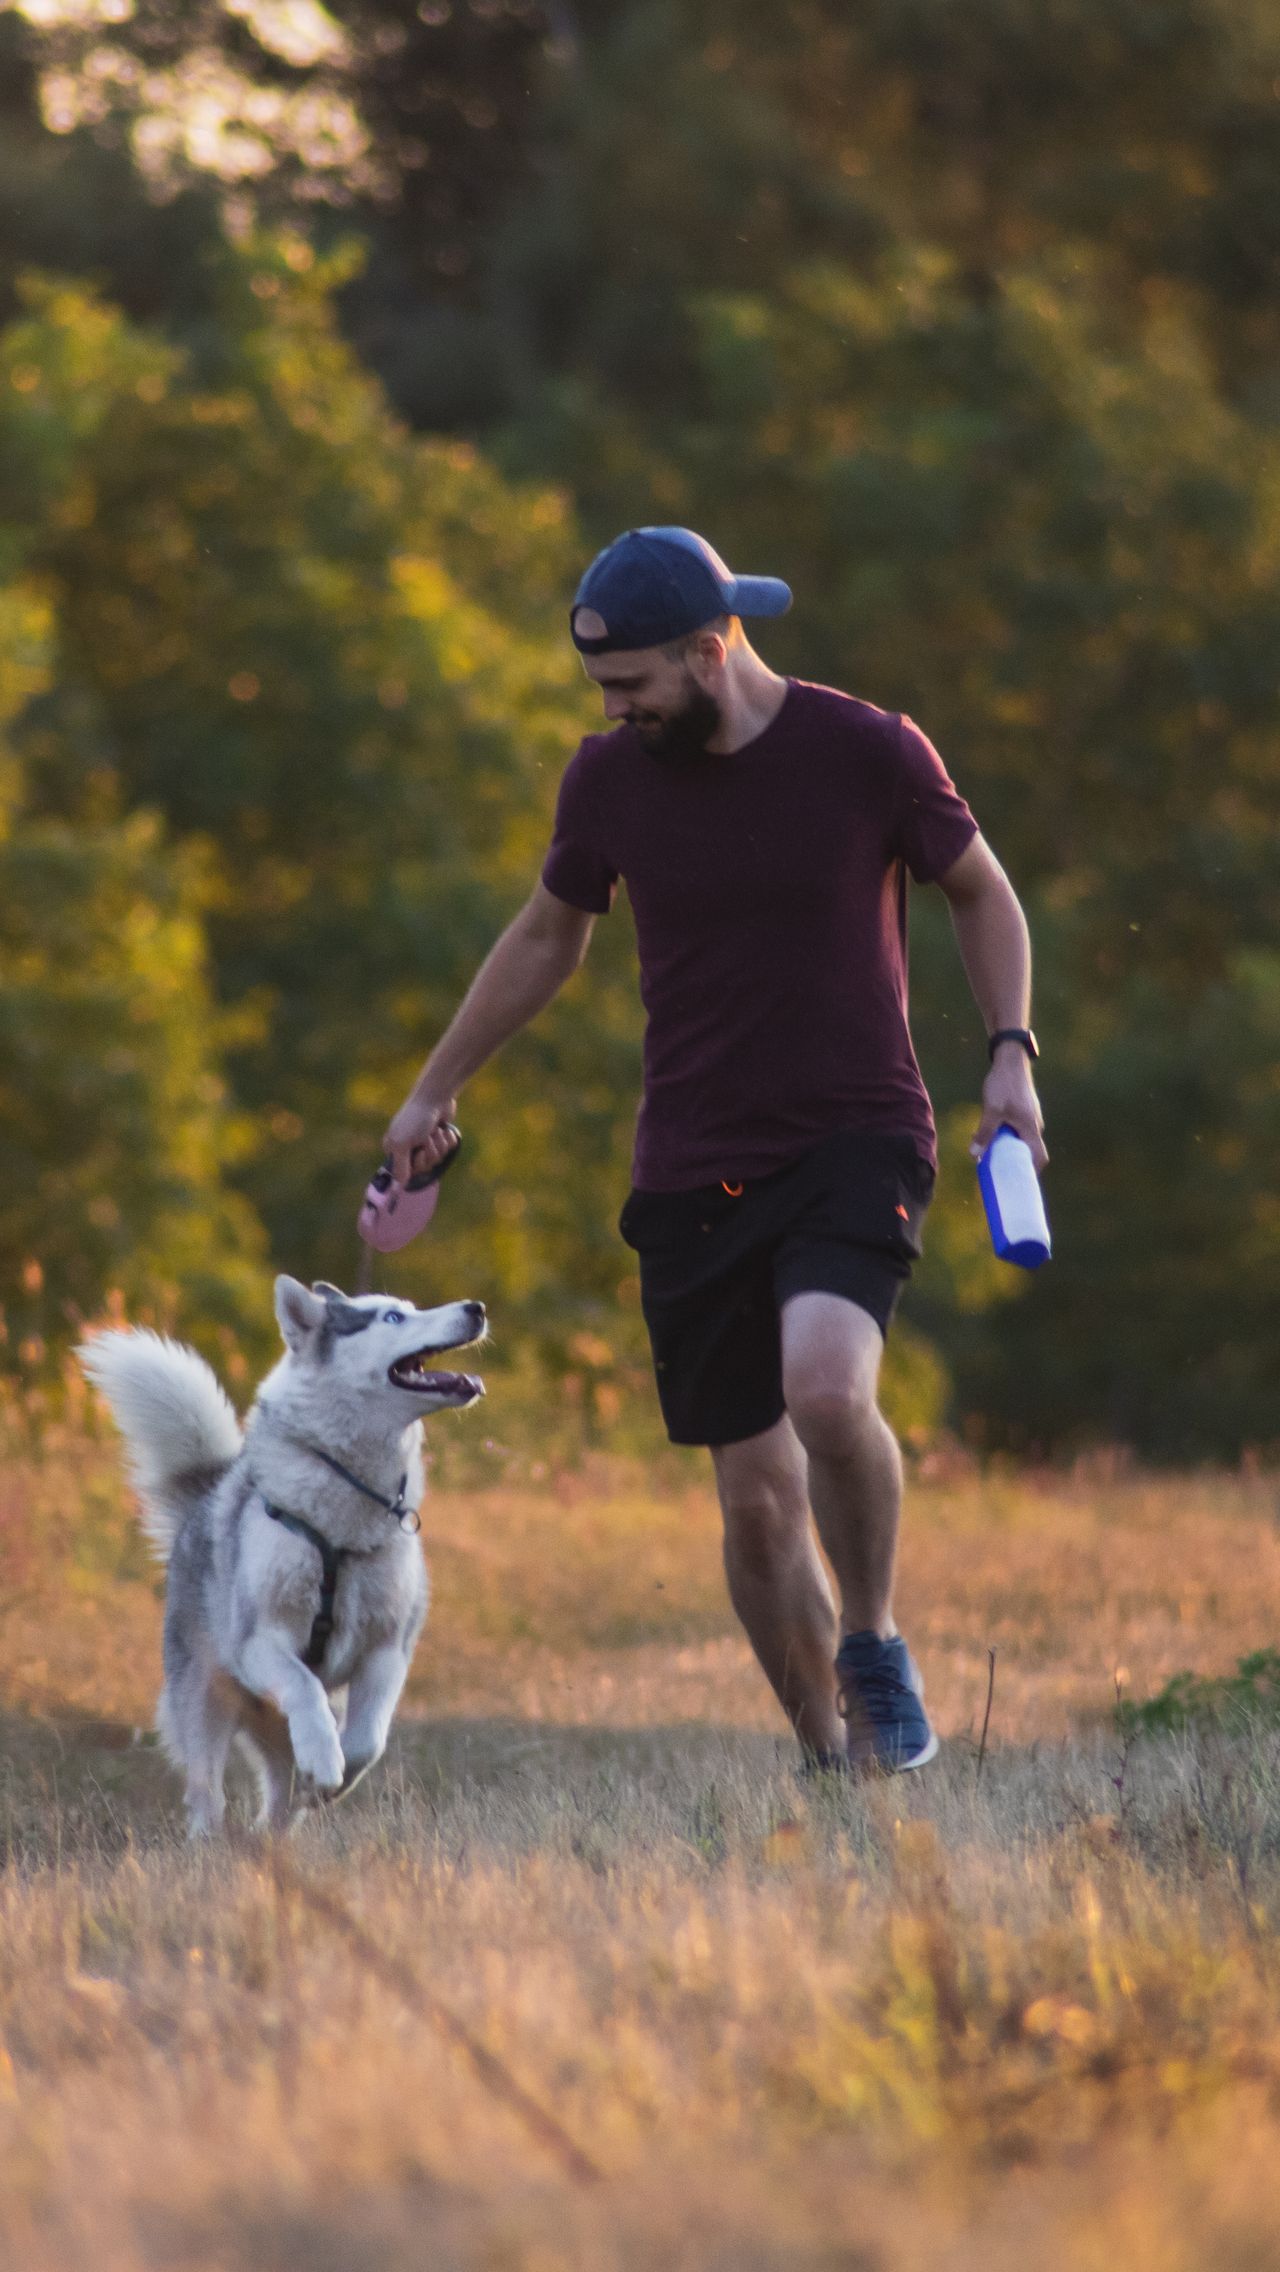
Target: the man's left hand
pixel 1009 1099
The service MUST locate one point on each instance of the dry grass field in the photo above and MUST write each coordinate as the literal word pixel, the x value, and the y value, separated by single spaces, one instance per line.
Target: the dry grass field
pixel 587 1981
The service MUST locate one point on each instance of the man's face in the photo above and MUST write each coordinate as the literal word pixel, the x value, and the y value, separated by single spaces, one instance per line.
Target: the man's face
pixel 661 699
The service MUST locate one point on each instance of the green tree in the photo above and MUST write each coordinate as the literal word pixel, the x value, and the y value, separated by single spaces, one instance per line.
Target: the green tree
pixel 964 320
pixel 328 659
pixel 418 125
pixel 116 1131
pixel 970 337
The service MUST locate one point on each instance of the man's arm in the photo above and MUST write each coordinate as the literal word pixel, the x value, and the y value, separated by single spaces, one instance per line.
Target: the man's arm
pixel 518 977
pixel 995 948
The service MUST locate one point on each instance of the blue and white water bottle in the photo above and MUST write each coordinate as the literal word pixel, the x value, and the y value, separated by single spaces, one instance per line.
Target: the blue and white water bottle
pixel 1014 1202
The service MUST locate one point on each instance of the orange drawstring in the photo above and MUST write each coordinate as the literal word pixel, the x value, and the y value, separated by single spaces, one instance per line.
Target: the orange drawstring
pixel 734 1189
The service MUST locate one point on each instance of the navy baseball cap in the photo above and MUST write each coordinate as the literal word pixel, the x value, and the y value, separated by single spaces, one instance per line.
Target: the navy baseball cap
pixel 654 585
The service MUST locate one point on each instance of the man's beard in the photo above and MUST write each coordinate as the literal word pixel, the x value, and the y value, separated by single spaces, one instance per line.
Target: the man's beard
pixel 683 736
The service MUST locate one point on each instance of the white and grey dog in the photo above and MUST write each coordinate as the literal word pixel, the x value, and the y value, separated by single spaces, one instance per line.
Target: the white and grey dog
pixel 297 1587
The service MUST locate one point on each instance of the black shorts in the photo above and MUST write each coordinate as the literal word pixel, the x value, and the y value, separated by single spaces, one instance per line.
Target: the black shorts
pixel 716 1267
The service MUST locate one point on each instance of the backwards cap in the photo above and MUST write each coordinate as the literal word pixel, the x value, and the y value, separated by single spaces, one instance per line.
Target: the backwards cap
pixel 654 585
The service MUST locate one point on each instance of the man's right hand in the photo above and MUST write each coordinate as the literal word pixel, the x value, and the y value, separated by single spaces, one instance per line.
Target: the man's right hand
pixel 417 1137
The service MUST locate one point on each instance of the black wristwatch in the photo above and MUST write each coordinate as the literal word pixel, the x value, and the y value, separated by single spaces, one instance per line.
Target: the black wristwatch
pixel 1021 1034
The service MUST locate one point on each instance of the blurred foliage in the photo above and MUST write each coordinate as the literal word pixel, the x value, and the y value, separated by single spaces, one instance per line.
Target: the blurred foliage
pixel 377 108
pixel 1234 1701
pixel 966 321
pixel 312 658
pixel 115 1129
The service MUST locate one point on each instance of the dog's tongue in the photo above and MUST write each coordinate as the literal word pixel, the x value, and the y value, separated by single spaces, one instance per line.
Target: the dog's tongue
pixel 399 1218
pixel 457 1384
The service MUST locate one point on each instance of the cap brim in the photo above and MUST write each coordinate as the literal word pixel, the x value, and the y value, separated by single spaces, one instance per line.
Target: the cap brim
pixel 759 595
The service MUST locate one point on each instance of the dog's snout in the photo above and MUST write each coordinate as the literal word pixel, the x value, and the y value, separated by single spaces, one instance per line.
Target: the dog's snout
pixel 476 1313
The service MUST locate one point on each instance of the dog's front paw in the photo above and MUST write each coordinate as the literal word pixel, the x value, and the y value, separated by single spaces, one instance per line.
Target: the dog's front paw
pixel 318 1758
pixel 352 1773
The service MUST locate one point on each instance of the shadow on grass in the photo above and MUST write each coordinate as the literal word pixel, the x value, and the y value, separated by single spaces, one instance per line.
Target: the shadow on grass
pixel 78 1786
pixel 73 1783
pixel 498 1753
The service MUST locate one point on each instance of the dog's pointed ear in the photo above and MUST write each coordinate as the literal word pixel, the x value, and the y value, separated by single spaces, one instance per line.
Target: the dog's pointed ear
pixel 298 1311
pixel 342 1316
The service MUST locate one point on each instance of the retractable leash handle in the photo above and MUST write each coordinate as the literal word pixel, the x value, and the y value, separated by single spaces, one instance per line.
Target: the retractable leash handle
pixel 1014 1201
pixel 394 1213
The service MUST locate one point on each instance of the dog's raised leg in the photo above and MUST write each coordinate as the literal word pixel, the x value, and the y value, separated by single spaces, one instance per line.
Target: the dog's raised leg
pixel 375 1693
pixel 269 1754
pixel 197 1714
pixel 269 1664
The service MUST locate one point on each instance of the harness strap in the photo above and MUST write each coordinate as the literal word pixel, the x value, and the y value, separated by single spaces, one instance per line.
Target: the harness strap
pixel 394 1507
pixel 399 1506
pixel 331 1560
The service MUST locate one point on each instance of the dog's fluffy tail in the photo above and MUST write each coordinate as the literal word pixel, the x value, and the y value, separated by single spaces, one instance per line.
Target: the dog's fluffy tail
pixel 176 1420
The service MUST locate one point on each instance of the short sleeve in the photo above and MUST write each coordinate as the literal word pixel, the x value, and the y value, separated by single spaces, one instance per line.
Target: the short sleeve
pixel 934 824
pixel 577 868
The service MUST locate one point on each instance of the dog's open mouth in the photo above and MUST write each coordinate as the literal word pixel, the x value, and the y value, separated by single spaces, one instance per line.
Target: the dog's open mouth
pixel 414 1372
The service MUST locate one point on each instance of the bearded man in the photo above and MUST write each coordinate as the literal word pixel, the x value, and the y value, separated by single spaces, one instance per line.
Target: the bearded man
pixel 785 1152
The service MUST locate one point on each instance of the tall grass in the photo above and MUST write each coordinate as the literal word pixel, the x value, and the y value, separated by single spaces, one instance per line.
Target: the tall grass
pixel 594 1981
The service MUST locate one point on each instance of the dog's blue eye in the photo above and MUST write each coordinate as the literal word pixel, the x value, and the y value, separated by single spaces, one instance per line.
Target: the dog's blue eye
pixel 393 1317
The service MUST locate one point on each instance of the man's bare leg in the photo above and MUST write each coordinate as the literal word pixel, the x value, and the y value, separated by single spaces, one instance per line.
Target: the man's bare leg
pixel 831 1354
pixel 776 1581
pixel 831 1359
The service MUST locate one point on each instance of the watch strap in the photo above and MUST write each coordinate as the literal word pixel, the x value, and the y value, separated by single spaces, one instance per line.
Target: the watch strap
pixel 1021 1034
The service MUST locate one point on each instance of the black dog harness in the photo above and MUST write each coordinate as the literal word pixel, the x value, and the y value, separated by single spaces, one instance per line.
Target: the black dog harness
pixel 332 1557
pixel 331 1561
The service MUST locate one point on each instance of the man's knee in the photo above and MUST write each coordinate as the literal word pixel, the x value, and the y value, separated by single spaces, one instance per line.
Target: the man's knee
pixel 833 1422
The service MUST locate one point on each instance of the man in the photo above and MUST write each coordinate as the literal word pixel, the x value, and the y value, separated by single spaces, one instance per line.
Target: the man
pixel 785 1145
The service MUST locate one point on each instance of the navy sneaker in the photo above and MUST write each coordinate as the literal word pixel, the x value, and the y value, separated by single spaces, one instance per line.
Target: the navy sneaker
pixel 881 1696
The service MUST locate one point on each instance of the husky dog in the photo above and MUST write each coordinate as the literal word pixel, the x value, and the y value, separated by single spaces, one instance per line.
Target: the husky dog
pixel 297 1587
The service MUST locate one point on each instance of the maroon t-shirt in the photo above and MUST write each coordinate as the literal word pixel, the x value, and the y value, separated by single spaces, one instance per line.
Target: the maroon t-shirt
pixel 770 899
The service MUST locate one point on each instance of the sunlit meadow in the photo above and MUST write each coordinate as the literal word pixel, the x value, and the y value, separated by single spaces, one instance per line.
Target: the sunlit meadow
pixel 587 1979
